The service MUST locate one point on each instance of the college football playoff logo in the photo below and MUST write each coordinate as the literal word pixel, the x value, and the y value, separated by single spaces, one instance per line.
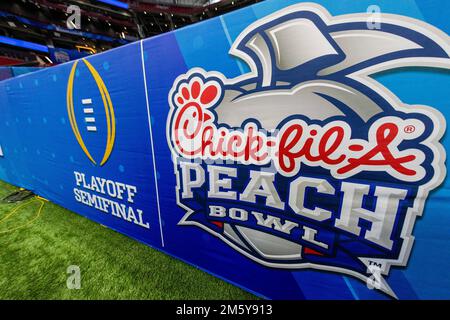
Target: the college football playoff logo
pixel 90 120
pixel 306 161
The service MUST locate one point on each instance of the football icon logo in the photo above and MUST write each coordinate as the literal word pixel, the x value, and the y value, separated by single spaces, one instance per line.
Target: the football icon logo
pixel 88 111
pixel 307 161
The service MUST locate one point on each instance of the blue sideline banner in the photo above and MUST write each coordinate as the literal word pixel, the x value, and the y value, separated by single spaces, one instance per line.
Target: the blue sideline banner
pixel 297 150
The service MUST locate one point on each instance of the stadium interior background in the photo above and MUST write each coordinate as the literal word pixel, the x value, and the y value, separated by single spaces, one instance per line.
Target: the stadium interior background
pixel 39 33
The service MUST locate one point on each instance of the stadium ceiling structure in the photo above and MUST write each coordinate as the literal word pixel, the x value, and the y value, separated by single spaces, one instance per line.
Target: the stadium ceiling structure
pixel 186 3
pixel 30 29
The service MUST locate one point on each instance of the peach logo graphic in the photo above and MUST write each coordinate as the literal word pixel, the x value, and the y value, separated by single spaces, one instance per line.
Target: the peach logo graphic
pixel 306 161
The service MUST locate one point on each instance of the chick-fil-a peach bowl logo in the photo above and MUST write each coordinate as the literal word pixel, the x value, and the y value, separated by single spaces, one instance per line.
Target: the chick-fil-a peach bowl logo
pixel 306 161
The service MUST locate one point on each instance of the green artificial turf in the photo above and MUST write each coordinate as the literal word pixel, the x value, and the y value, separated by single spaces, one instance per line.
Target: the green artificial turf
pixel 36 248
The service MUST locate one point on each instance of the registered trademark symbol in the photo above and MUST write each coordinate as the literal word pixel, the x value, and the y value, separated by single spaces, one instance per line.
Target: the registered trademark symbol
pixel 410 129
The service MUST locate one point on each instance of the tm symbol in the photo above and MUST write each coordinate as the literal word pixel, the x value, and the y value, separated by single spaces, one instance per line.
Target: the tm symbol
pixel 375 264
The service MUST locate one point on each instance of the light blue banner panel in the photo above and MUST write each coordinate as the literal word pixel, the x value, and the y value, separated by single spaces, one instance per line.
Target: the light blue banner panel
pixel 297 150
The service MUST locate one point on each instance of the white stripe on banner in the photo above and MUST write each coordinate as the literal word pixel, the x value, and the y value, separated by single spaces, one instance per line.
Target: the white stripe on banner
pixel 227 33
pixel 151 143
pixel 350 287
